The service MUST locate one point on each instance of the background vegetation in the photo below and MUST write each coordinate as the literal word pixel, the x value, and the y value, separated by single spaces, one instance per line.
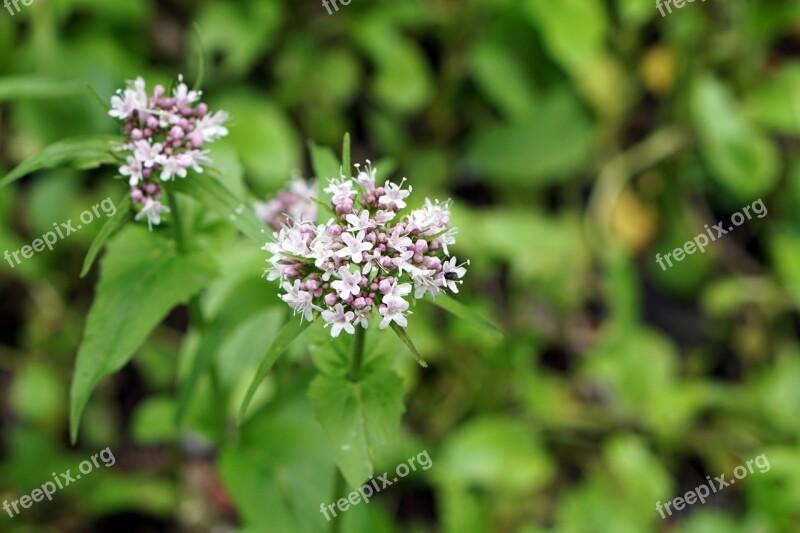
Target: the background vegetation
pixel 577 138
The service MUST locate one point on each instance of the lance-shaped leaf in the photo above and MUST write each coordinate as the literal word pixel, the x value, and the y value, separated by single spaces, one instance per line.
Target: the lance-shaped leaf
pixel 210 192
pixel 401 332
pixel 110 226
pixel 293 328
pixel 465 313
pixel 142 277
pixel 348 170
pixel 79 152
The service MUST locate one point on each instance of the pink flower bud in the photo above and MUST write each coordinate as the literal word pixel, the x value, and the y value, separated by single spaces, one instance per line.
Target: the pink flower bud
pixel 330 299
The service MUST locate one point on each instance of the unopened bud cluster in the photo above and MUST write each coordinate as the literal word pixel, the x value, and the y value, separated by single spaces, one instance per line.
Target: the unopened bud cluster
pixel 165 136
pixel 368 257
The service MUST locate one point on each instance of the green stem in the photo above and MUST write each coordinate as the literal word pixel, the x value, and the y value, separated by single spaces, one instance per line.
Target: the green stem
pixel 340 486
pixel 358 354
pixel 195 310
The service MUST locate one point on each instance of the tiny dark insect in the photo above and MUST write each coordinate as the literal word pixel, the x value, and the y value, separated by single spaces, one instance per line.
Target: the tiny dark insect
pixel 451 276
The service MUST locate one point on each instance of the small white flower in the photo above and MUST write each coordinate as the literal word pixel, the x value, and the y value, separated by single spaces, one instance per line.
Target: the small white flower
pixel 358 223
pixel 451 273
pixel 348 284
pixel 293 241
pixel 194 159
pixel 362 317
pixel 133 168
pixel 340 191
pixel 426 281
pixel 382 217
pixel 398 241
pixel 430 219
pixel 403 262
pixel 339 320
pixel 129 101
pixel 393 310
pixel 171 167
pixel 393 194
pixel 299 300
pixel 354 247
pixel 366 178
pixel 152 210
pixel 399 290
pixel 148 154
pixel 211 126
pixel 183 95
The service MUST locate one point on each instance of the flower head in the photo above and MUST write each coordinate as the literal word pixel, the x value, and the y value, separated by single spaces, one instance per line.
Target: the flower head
pixel 165 136
pixel 367 259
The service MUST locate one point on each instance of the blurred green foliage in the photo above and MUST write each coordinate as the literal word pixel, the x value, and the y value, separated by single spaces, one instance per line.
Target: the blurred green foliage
pixel 578 138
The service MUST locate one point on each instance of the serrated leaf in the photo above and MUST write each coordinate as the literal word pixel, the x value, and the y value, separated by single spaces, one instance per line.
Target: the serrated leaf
pixel 79 152
pixel 278 469
pixel 465 313
pixel 293 328
pixel 408 342
pixel 358 416
pixel 111 225
pixel 210 192
pixel 33 87
pixel 142 278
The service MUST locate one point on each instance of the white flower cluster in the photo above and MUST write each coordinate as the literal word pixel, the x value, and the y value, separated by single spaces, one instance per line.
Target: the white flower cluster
pixel 165 135
pixel 367 257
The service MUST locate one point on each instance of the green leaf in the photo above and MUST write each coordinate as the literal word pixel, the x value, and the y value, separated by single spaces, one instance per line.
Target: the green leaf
pixel 324 162
pixel 775 104
pixel 326 166
pixel 465 313
pixel 358 416
pixel 111 225
pixel 287 335
pixel 210 192
pixel 346 162
pixel 502 79
pixel 79 152
pixel 142 278
pixel 408 342
pixel 497 454
pixel 279 471
pixel 742 159
pixel 234 310
pixel 573 31
pixel 32 87
pixel 551 144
